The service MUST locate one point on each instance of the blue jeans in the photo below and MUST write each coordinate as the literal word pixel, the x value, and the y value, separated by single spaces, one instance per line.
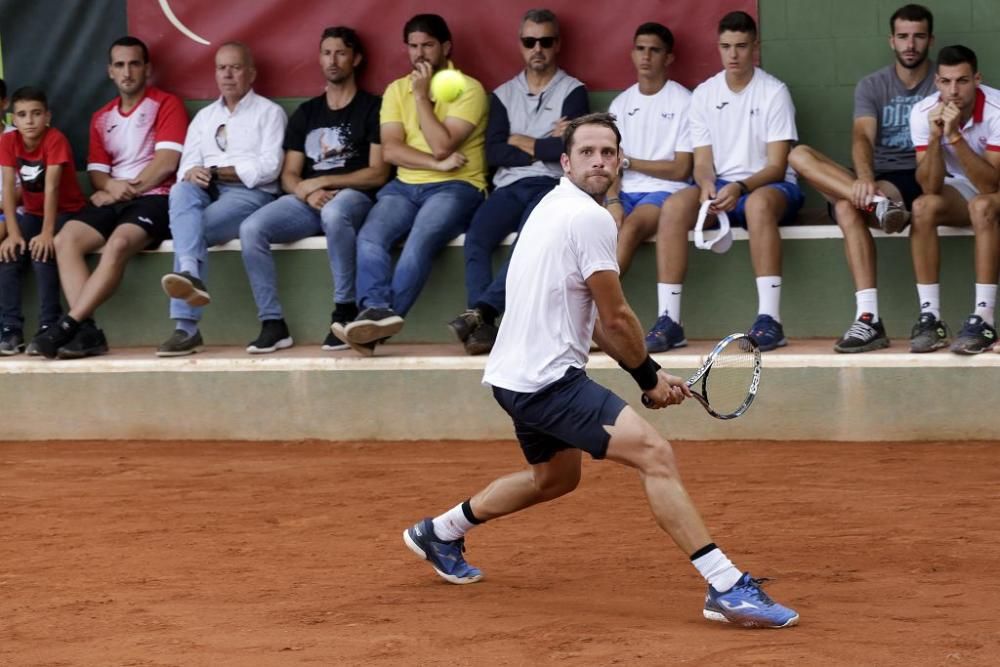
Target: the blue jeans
pixel 503 213
pixel 199 220
pixel 290 219
pixel 46 275
pixel 428 216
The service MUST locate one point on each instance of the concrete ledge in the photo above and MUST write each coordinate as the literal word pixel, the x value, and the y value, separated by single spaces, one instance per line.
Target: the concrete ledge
pixel 807 393
pixel 830 231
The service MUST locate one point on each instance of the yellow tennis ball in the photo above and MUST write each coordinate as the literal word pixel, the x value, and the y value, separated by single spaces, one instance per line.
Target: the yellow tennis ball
pixel 447 85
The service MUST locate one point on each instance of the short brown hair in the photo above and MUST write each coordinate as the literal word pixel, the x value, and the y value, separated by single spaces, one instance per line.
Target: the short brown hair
pixel 601 118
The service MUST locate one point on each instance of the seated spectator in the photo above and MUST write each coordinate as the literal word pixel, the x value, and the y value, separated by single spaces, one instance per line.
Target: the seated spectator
pixel 882 187
pixel 229 169
pixel 742 126
pixel 437 146
pixel 333 165
pixel 41 157
pixel 957 136
pixel 135 144
pixel 523 144
pixel 652 116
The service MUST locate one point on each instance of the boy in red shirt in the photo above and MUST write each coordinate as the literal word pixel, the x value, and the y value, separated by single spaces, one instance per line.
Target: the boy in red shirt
pixel 43 160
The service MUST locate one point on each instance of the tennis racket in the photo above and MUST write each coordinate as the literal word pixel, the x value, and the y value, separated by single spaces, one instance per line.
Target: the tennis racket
pixel 734 368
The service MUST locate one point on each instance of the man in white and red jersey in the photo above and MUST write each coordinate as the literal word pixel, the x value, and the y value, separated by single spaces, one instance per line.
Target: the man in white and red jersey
pixel 135 147
pixel 956 133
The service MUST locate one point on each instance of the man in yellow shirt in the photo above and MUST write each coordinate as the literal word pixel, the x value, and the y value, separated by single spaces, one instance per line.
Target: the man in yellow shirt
pixel 439 149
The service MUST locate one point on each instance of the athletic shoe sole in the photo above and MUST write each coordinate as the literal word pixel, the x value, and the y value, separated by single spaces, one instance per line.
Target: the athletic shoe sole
pixel 282 344
pixel 95 351
pixel 179 287
pixel 364 349
pixel 451 579
pixel 767 348
pixel 877 344
pixel 335 348
pixel 932 348
pixel 971 351
pixel 369 331
pixel 719 618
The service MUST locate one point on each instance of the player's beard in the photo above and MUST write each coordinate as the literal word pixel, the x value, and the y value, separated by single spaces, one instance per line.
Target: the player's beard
pixel 921 57
pixel 595 184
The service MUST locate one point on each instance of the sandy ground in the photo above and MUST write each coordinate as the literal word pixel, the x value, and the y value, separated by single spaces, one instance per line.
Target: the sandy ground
pixel 155 554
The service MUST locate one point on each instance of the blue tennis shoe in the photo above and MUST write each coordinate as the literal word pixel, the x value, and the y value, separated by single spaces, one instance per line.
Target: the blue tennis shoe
pixel 768 333
pixel 665 335
pixel 748 605
pixel 445 557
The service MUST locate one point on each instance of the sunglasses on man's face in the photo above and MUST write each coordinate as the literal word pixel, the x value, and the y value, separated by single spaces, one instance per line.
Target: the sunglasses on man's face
pixel 546 42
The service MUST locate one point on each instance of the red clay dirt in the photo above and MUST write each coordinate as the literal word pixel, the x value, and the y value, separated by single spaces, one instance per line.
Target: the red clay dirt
pixel 159 553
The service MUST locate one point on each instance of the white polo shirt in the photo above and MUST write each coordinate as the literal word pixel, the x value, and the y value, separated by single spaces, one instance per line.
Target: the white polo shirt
pixel 653 127
pixel 739 126
pixel 981 131
pixel 248 138
pixel 550 313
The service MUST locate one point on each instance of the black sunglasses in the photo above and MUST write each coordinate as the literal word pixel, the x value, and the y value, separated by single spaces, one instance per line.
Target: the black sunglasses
pixel 546 42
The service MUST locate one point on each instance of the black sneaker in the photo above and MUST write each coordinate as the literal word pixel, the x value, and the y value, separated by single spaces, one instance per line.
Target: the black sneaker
pixel 463 325
pixel 863 335
pixel 373 324
pixel 976 336
pixel 180 344
pixel 343 314
pixel 273 336
pixel 187 288
pixel 11 341
pixel 89 341
pixel 339 331
pixel 32 349
pixel 928 334
pixel 481 340
pixel 49 341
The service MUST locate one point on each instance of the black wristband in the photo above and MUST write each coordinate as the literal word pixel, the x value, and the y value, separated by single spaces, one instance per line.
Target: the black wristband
pixel 644 374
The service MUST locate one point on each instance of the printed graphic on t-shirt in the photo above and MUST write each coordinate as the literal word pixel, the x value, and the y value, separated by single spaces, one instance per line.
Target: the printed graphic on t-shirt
pixel 895 126
pixel 32 173
pixel 329 148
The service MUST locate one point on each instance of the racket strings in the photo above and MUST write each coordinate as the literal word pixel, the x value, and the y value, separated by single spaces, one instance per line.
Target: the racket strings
pixel 727 384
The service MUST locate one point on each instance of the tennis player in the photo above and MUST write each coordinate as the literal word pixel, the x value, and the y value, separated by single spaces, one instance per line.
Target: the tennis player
pixel 563 288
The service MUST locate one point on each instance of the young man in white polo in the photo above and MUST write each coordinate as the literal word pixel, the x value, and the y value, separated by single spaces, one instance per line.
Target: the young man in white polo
pixel 957 136
pixel 742 127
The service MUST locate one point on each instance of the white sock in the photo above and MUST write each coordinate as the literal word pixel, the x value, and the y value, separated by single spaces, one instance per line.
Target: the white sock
pixel 930 299
pixel 867 300
pixel 986 300
pixel 718 570
pixel 452 525
pixel 668 297
pixel 769 296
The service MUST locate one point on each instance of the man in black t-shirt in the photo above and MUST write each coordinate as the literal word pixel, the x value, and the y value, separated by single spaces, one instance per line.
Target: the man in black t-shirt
pixel 333 167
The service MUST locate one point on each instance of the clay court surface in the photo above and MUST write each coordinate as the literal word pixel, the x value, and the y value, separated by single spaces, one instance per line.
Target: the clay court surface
pixel 146 554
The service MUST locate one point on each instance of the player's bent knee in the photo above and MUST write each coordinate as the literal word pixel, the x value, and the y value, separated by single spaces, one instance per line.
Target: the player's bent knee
pixel 800 156
pixel 983 211
pixel 659 459
pixel 925 210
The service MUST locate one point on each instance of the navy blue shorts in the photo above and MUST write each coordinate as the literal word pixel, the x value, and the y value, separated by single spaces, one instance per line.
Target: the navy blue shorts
pixel 570 413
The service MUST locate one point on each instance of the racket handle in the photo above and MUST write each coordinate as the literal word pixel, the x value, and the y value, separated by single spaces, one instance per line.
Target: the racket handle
pixel 647 401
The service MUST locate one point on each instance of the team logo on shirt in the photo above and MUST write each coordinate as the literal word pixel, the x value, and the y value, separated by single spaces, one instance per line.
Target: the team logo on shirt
pixel 720 106
pixel 328 148
pixel 32 173
pixel 755 111
pixel 633 111
pixel 668 115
